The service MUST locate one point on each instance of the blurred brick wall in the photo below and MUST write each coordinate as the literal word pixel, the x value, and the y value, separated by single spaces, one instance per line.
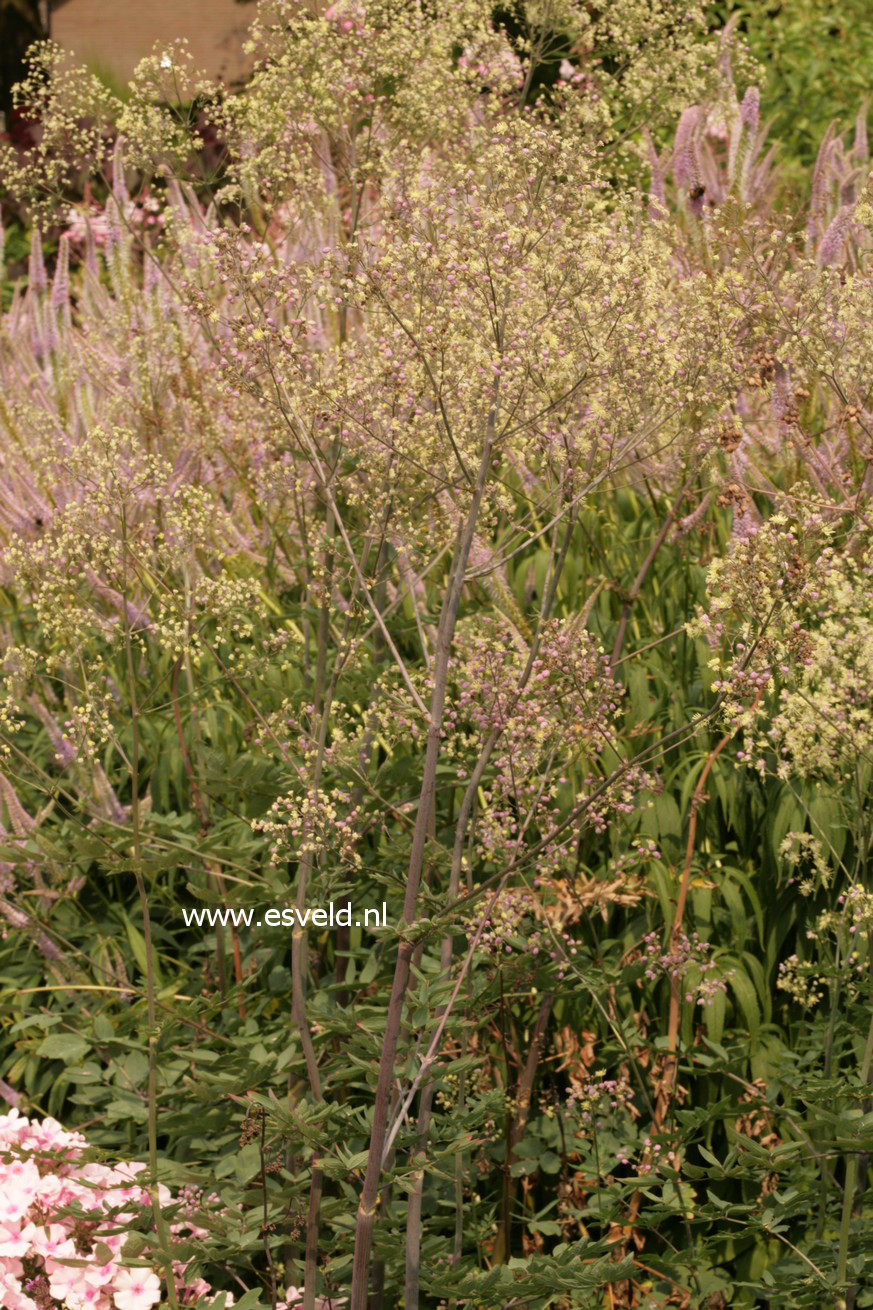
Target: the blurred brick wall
pixel 116 34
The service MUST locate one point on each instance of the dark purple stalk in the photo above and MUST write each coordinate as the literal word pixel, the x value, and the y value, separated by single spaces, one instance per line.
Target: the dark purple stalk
pixel 448 618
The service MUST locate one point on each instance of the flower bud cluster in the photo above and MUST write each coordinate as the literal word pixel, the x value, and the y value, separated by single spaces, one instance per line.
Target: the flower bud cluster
pixel 566 706
pixel 801 980
pixel 598 1098
pixel 687 961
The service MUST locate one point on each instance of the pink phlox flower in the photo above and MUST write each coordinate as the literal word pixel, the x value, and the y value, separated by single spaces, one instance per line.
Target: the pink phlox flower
pixel 89 1298
pixel 55 1190
pixel 99 1275
pixel 136 1289
pixel 66 1281
pixel 15 1240
pixel 51 1242
pixel 49 1135
pixel 13 1127
pixel 21 1177
pixel 12 1206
